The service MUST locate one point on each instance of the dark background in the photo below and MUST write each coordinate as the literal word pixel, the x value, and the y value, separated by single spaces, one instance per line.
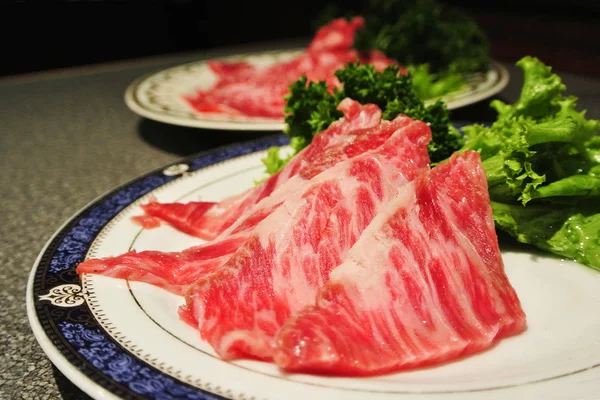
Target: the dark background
pixel 46 35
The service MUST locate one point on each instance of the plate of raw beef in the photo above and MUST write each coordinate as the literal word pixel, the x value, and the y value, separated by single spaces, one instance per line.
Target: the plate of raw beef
pixel 246 92
pixel 359 271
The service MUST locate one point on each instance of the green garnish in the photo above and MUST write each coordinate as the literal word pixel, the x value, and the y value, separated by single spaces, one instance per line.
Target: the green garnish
pixel 429 85
pixel 417 32
pixel 542 160
pixel 439 44
pixel 311 108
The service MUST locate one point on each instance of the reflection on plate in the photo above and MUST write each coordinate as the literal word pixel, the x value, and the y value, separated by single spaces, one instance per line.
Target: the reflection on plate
pixel 118 339
pixel 158 96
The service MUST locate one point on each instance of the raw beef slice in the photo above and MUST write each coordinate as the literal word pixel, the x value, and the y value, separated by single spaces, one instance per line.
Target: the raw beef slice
pixel 173 271
pixel 424 284
pixel 243 89
pixel 287 257
pixel 207 220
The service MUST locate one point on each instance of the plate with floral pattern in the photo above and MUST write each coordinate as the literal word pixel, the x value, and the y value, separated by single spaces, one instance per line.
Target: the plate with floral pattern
pixel 160 95
pixel 117 339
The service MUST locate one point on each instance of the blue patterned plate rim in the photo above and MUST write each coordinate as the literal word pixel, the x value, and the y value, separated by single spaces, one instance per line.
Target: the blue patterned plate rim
pixel 62 321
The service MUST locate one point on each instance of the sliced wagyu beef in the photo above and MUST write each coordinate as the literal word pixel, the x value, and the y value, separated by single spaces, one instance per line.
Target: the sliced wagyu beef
pixel 424 284
pixel 173 271
pixel 244 89
pixel 288 255
pixel 207 220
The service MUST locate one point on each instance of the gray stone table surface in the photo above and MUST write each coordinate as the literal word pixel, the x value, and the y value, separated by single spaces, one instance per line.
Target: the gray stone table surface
pixel 67 137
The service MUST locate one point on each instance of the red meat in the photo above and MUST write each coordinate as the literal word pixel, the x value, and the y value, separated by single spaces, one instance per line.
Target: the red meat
pixel 424 284
pixel 287 257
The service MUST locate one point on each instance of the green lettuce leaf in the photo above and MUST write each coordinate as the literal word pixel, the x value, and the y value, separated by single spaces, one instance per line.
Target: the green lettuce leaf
pixel 542 160
pixel 429 85
pixel 571 232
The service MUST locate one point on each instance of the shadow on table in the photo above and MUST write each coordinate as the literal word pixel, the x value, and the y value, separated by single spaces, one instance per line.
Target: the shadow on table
pixel 184 141
pixel 67 389
pixel 480 112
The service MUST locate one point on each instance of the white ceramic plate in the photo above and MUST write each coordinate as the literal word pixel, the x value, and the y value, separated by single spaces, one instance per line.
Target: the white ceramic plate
pixel 119 339
pixel 158 96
